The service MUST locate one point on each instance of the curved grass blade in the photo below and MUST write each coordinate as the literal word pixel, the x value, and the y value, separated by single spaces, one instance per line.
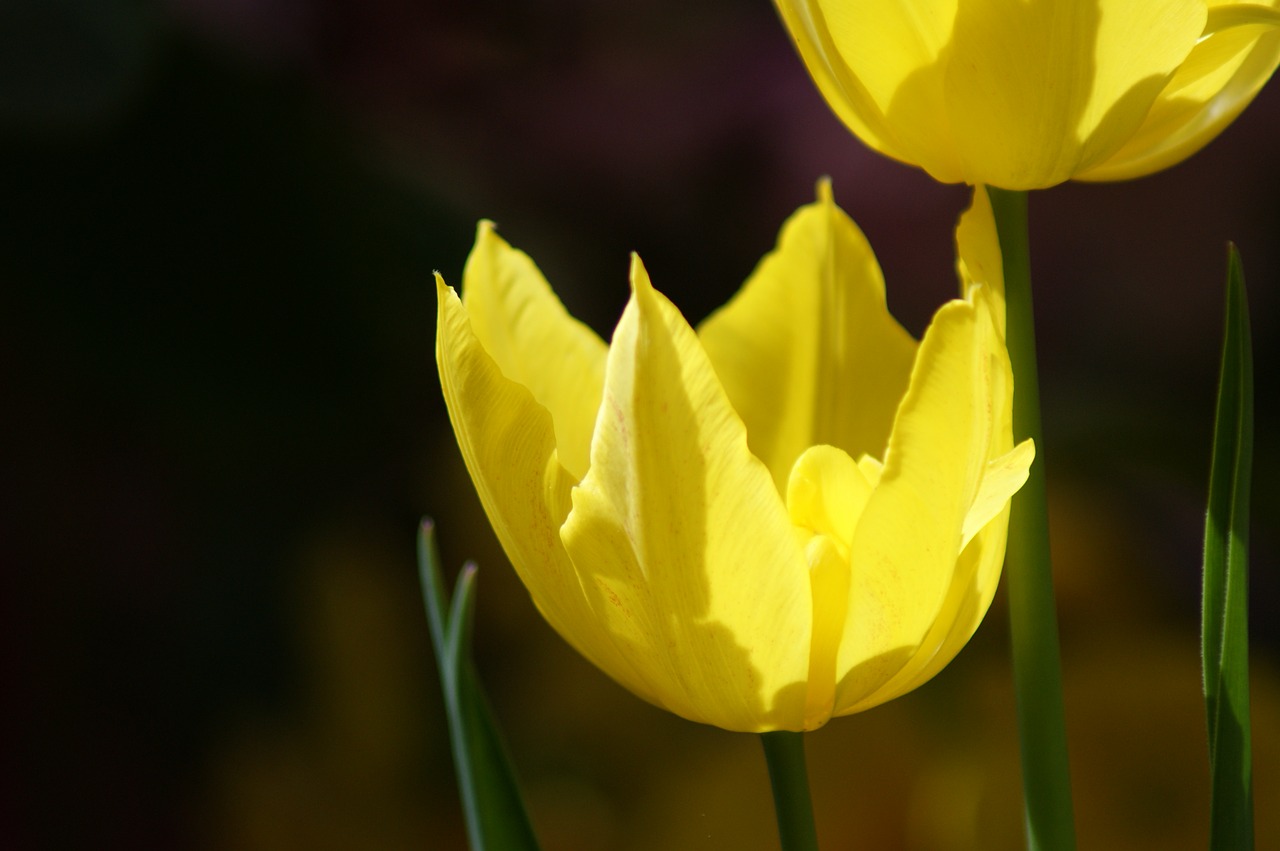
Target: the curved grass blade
pixel 1224 624
pixel 491 802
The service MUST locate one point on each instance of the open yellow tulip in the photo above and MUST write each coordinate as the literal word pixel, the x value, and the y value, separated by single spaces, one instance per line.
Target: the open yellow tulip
pixel 794 513
pixel 1025 94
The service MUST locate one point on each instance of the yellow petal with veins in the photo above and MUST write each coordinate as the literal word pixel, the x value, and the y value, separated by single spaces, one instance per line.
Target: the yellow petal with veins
pixel 1038 92
pixel 681 537
pixel 911 533
pixel 905 546
pixel 519 321
pixel 851 99
pixel 897 50
pixel 978 257
pixel 1222 75
pixel 807 350
pixel 829 582
pixel 1001 480
pixel 981 536
pixel 508 444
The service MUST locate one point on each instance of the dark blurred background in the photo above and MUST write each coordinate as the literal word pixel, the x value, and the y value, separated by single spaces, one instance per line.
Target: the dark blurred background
pixel 221 423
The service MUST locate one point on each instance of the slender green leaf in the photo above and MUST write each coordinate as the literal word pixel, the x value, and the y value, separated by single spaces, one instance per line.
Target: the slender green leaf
pixel 495 814
pixel 1224 624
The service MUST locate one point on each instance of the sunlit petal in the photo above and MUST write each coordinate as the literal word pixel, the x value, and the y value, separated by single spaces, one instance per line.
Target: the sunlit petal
pixel 825 497
pixel 808 351
pixel 908 539
pixel 847 95
pixel 1036 92
pixel 508 444
pixel 948 604
pixel 1221 76
pixel 519 321
pixel 897 50
pixel 682 538
pixel 827 492
pixel 1001 480
pixel 978 258
pixel 1024 95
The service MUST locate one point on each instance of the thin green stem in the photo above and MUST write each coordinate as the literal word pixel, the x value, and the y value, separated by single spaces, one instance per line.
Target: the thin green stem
pixel 784 753
pixel 1037 670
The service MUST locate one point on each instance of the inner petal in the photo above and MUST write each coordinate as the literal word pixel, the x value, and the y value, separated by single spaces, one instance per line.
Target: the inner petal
pixel 812 317
pixel 825 497
pixel 827 492
pixel 829 585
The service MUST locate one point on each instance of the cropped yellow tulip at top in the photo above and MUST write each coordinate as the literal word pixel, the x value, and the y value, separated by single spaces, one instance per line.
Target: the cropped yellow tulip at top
pixel 793 513
pixel 1026 94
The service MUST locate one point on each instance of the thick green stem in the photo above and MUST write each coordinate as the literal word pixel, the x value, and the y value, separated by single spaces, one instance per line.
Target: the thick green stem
pixel 784 752
pixel 1037 671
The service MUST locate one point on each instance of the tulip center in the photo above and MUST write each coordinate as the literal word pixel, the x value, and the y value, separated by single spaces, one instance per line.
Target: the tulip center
pixel 826 494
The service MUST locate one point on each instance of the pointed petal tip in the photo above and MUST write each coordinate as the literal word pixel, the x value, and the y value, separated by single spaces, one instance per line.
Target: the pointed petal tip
pixel 442 289
pixel 825 194
pixel 640 282
pixel 487 238
pixel 1017 462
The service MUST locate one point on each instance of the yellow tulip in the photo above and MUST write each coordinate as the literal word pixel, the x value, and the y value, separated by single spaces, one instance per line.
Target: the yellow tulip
pixel 1025 94
pixel 794 513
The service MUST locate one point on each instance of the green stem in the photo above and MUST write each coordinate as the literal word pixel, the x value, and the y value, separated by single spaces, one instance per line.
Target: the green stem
pixel 784 752
pixel 1037 671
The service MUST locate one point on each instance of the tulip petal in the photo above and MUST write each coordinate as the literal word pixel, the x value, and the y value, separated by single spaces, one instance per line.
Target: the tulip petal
pixel 862 54
pixel 976 576
pixel 807 350
pixel 681 538
pixel 826 493
pixel 1037 92
pixel 825 497
pixel 908 540
pixel 972 583
pixel 978 257
pixel 976 573
pixel 535 342
pixel 1222 75
pixel 829 580
pixel 1002 479
pixel 508 443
